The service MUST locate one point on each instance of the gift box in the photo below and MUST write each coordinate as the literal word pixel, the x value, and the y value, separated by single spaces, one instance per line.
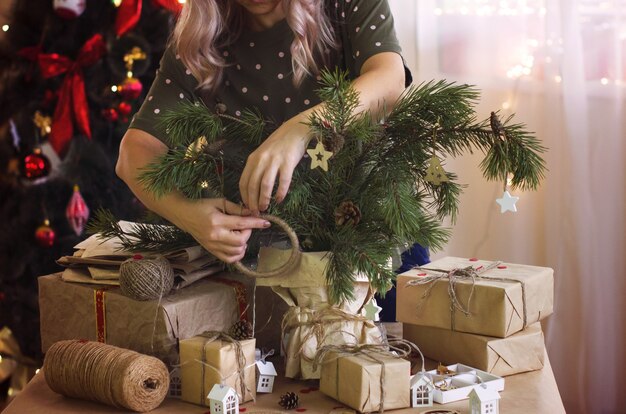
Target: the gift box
pixel 521 352
pixel 355 380
pixel 207 360
pixel 481 297
pixel 102 313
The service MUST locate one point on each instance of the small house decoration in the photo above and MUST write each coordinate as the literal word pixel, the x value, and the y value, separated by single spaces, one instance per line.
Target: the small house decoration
pixel 422 389
pixel 223 400
pixel 266 374
pixel 175 387
pixel 484 401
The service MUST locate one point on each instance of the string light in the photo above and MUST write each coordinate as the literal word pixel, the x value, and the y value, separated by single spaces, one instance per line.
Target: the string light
pixel 114 88
pixel 5 27
pixel 117 3
pixel 37 371
pixel 604 81
pixel 506 105
pixel 558 79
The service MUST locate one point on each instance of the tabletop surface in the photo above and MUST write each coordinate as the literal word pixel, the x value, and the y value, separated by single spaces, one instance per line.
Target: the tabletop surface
pixel 532 392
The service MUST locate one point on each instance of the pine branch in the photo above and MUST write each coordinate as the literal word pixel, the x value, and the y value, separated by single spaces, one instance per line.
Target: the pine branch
pixel 142 237
pixel 188 122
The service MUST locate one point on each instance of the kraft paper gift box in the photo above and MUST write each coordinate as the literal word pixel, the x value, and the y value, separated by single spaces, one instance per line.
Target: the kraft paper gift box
pixel 521 352
pixel 206 361
pixel 354 380
pixel 500 297
pixel 96 312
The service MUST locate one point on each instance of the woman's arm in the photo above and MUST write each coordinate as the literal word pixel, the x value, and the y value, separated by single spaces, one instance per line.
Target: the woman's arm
pixel 380 84
pixel 220 226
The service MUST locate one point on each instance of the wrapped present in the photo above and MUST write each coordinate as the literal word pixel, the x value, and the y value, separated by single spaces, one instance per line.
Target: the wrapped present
pixel 215 358
pixel 366 378
pixel 306 331
pixel 475 296
pixel 102 313
pixel 521 352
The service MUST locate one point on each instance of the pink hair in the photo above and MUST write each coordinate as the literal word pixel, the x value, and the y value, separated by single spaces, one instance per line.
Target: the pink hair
pixel 205 26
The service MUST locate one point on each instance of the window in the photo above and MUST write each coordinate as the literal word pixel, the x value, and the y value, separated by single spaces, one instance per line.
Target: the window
pixel 422 395
pixel 231 405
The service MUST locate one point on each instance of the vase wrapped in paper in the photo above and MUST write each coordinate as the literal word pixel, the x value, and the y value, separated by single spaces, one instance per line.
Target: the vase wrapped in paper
pixel 313 320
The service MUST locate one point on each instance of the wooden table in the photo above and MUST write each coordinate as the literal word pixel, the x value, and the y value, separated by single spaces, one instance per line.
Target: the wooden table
pixel 530 393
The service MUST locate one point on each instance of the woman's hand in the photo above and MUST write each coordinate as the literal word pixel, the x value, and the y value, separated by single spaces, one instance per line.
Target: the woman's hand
pixel 278 156
pixel 221 227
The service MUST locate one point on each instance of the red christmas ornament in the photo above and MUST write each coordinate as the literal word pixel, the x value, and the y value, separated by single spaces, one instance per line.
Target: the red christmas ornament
pixel 124 108
pixel 44 234
pixel 110 114
pixel 130 89
pixel 36 165
pixel 77 212
pixel 68 9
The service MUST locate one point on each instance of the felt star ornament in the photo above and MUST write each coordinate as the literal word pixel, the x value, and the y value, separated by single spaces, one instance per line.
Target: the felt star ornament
pixel 372 310
pixel 319 156
pixel 507 202
pixel 435 173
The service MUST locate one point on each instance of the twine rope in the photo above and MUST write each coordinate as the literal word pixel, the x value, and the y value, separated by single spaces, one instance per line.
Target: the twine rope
pixel 318 320
pixel 289 265
pixel 460 274
pixel 114 376
pixel 146 278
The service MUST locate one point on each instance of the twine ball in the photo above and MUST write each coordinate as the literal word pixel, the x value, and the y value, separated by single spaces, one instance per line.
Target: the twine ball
pixel 146 279
pixel 107 374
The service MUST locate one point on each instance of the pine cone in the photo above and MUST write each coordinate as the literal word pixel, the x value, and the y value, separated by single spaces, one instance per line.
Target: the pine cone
pixel 289 401
pixel 347 213
pixel 336 143
pixel 241 330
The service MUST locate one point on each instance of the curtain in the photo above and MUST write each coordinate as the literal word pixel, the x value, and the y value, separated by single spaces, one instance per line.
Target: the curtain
pixel 560 66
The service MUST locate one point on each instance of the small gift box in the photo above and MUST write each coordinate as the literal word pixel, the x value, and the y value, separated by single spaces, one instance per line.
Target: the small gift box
pixel 211 358
pixel 475 296
pixel 357 380
pixel 521 352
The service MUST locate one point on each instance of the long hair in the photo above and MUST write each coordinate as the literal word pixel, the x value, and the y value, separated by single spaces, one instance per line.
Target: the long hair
pixel 205 26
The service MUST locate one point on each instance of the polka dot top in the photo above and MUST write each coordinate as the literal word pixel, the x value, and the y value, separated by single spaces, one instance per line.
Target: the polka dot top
pixel 259 74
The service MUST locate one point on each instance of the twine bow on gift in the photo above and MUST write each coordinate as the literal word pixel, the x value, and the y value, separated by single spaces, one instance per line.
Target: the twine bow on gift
pixel 240 357
pixel 395 348
pixel 72 102
pixel 318 320
pixel 461 274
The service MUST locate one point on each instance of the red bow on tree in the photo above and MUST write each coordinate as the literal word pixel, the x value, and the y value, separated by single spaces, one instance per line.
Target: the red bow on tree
pixel 129 12
pixel 72 103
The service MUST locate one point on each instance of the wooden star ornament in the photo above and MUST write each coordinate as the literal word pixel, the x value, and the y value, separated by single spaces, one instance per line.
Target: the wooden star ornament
pixel 319 156
pixel 372 310
pixel 435 173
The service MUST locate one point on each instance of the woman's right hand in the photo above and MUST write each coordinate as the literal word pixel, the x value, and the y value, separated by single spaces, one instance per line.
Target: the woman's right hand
pixel 220 226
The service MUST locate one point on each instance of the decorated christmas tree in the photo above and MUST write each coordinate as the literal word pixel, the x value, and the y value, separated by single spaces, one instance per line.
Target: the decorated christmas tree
pixel 72 73
pixel 369 184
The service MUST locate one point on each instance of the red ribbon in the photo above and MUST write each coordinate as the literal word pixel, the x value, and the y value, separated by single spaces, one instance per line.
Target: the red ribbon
pixel 129 12
pixel 101 321
pixel 72 104
pixel 240 295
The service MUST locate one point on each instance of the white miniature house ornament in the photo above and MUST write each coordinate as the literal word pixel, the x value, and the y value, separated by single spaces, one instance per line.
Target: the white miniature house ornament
pixel 175 387
pixel 223 400
pixel 484 401
pixel 266 375
pixel 422 389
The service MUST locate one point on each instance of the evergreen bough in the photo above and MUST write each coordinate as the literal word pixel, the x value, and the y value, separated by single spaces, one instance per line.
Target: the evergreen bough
pixel 378 169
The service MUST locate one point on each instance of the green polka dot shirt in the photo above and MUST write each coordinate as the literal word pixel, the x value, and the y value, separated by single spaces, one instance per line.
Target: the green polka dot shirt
pixel 259 74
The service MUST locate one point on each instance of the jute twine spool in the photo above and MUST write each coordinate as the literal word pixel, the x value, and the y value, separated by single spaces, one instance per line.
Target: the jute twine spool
pixel 107 374
pixel 146 279
pixel 289 265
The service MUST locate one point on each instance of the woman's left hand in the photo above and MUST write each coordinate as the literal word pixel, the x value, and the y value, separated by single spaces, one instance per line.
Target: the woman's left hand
pixel 278 156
